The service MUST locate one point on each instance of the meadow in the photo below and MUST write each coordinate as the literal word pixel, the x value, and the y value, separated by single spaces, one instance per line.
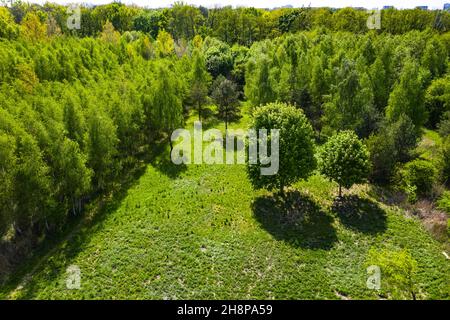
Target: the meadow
pixel 202 232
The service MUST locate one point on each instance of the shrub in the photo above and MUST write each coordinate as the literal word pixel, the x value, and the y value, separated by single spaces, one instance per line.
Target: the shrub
pixel 417 177
pixel 444 202
pixel 445 161
pixel 398 271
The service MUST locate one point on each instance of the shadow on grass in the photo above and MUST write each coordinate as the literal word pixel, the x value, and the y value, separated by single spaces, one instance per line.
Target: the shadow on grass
pixel 69 243
pixel 296 219
pixel 164 164
pixel 359 214
pixel 76 235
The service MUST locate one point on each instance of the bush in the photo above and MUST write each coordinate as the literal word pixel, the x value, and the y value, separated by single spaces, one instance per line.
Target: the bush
pixel 391 145
pixel 398 272
pixel 444 202
pixel 417 178
pixel 445 161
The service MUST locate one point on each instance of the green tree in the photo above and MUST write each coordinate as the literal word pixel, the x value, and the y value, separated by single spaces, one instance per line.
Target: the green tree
pixel 200 81
pixel 296 146
pixel 437 100
pixel 407 96
pixel 344 159
pixel 165 46
pixel 101 142
pixel 166 102
pixel 8 29
pixel 226 96
pixel 8 163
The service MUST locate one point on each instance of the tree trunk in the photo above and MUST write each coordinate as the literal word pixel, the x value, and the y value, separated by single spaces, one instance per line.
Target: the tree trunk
pixel 282 190
pixel 226 122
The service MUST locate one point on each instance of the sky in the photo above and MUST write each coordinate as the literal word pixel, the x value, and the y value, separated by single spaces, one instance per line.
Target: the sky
pixel 369 4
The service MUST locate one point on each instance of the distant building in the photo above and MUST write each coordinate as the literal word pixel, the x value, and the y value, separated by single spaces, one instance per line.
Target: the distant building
pixel 422 7
pixel 388 7
pixel 447 6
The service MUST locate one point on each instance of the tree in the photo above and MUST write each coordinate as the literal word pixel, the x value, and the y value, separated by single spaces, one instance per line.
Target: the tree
pixel 8 29
pixel 73 177
pixel 219 59
pixel 150 22
pixel 109 34
pixel 8 165
pixel 33 29
pixel 165 45
pixel 351 104
pixel 258 86
pixel 417 178
pixel 226 97
pixel 296 146
pixel 407 96
pixel 101 142
pixel 344 159
pixel 167 108
pixel 200 81
pixel 437 99
pixel 405 137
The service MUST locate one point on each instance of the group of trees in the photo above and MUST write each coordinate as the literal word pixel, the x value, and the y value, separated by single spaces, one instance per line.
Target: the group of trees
pixel 385 88
pixel 343 158
pixel 240 25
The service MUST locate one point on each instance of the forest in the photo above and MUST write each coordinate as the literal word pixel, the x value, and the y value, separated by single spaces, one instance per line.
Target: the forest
pixel 82 109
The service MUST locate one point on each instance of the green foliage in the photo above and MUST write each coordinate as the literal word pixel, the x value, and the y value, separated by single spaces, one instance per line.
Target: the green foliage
pixel 407 97
pixel 296 146
pixel 417 177
pixel 393 143
pixel 445 160
pixel 444 125
pixel 344 159
pixel 437 99
pixel 443 202
pixel 150 22
pixel 398 272
pixel 8 29
pixel 226 96
pixel 219 60
pixel 200 80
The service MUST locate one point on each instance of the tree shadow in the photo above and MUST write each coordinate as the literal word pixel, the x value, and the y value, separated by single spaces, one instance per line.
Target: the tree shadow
pixel 296 219
pixel 359 214
pixel 163 163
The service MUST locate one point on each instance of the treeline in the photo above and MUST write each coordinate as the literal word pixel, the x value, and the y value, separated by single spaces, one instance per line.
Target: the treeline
pixel 243 26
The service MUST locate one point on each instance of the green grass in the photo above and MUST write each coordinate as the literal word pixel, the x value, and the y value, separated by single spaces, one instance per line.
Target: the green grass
pixel 202 232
